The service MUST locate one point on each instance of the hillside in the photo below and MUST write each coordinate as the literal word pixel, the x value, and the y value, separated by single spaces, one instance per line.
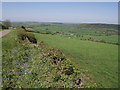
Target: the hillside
pixel 85 25
pixel 60 55
pixel 99 59
pixel 109 26
pixel 30 65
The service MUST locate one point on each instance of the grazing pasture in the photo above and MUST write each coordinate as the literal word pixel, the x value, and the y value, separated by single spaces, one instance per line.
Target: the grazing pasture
pixel 92 32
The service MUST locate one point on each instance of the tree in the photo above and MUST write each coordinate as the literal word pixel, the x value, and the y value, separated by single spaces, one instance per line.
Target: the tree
pixel 6 24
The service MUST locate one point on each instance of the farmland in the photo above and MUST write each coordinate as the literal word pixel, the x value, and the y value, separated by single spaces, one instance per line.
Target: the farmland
pixel 94 32
pixel 97 58
pixel 92 48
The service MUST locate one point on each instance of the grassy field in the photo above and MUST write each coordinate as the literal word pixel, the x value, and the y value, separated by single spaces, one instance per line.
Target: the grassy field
pixel 102 33
pixel 101 60
pixel 107 39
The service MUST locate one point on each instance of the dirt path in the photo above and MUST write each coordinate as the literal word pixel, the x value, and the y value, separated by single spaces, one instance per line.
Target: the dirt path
pixel 3 33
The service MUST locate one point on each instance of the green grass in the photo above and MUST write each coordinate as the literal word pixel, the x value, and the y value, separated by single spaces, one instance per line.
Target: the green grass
pixel 66 29
pixel 3 29
pixel 27 65
pixel 109 39
pixel 101 60
pixel 107 34
pixel 0 62
pixel 9 41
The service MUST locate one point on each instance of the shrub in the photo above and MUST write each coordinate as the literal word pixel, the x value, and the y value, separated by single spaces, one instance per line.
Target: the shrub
pixel 48 32
pixel 103 41
pixel 25 35
pixel 31 38
pixel 22 35
pixel 117 43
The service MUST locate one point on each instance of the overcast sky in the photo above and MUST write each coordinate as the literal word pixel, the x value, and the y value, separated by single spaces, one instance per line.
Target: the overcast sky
pixel 79 12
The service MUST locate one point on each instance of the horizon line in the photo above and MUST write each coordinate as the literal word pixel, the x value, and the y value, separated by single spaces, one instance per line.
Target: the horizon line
pixel 66 22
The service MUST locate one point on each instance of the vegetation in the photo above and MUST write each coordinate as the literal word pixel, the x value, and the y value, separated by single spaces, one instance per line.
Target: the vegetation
pixel 58 55
pixel 37 65
pixel 23 35
pixel 100 59
pixel 6 24
pixel 9 41
pixel 92 32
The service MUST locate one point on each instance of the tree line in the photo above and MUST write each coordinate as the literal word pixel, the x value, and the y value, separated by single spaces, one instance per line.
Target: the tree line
pixel 5 24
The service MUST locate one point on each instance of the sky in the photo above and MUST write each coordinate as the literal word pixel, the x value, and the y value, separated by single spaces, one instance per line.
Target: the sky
pixel 70 12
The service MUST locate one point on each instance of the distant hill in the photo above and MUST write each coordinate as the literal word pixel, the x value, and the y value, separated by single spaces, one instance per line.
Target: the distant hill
pixel 110 26
pixel 82 25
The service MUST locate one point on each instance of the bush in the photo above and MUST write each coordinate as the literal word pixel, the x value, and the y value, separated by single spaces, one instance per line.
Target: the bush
pixel 103 41
pixel 25 35
pixel 31 38
pixel 48 32
pixel 22 35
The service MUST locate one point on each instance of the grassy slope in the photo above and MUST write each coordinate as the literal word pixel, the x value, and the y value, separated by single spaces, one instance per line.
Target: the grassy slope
pixel 9 41
pixel 0 62
pixel 99 58
pixel 26 66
